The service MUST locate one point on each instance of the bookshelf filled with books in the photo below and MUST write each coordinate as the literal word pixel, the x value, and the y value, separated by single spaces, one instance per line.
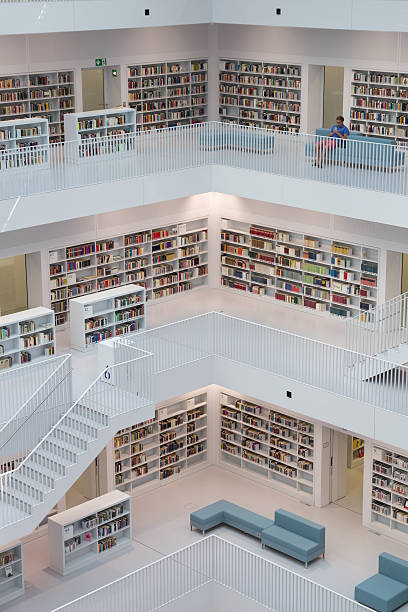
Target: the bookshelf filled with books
pixel 269 444
pixel 11 572
pixel 24 143
pixel 167 94
pixel 379 104
pixel 322 274
pixel 387 499
pixel 47 94
pixel 107 314
pixel 355 451
pixel 165 260
pixel 260 94
pixel 157 451
pixel 89 533
pixel 101 132
pixel 26 337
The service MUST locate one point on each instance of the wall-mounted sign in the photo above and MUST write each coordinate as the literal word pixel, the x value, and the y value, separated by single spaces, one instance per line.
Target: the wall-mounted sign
pixel 100 61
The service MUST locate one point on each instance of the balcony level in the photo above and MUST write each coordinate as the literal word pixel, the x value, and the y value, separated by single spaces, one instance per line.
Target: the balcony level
pixel 51 183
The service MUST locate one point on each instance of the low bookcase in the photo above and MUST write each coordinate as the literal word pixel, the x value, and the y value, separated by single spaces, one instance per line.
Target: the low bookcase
pixel 11 572
pixel 108 314
pixel 90 533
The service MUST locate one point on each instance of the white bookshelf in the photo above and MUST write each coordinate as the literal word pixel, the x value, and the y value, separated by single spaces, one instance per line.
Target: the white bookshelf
pixel 379 103
pixel 89 128
pixel 156 452
pixel 166 261
pixel 355 451
pixel 26 337
pixel 107 314
pixel 321 274
pixel 269 444
pixel 11 572
pixel 90 533
pixel 166 94
pixel 24 136
pixel 46 94
pixel 260 94
pixel 386 501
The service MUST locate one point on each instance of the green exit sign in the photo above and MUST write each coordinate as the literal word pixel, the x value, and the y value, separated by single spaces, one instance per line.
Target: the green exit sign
pixel 100 61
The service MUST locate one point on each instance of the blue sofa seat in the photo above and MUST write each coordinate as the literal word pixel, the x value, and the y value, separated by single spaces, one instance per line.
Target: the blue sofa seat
pixel 359 151
pixel 224 512
pixel 248 141
pixel 295 536
pixel 387 590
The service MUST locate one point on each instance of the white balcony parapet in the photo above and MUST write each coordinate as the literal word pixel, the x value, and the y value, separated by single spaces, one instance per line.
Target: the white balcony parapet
pixel 210 563
pixel 360 164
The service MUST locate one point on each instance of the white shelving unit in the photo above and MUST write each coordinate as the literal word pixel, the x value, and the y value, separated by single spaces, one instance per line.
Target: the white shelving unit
pixel 355 451
pixel 11 572
pixel 24 136
pixel 89 533
pixel 166 261
pixel 46 94
pixel 260 94
pixel 269 444
pixel 386 498
pixel 379 103
pixel 91 129
pixel 167 447
pixel 107 314
pixel 318 273
pixel 26 336
pixel 166 94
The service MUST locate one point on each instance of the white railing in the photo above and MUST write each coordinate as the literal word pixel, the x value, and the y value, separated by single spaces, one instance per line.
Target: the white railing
pixel 380 329
pixel 360 164
pixel 347 373
pixel 30 422
pixel 209 562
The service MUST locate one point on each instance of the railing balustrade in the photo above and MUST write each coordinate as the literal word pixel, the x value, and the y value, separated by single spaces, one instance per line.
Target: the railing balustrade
pixel 46 168
pixel 204 564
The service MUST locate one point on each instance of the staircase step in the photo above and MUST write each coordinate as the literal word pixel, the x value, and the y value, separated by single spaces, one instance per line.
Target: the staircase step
pixel 35 478
pixel 25 491
pixel 69 439
pixel 59 450
pixel 45 459
pixel 37 463
pixel 81 426
pixel 10 497
pixel 91 415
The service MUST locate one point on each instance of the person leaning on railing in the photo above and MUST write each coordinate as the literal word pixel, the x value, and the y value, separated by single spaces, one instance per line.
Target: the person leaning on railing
pixel 338 132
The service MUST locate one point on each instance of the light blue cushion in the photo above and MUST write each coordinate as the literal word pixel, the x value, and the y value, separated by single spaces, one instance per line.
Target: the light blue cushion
pixel 301 526
pixel 291 543
pixel 209 516
pixel 381 593
pixel 393 567
pixel 244 519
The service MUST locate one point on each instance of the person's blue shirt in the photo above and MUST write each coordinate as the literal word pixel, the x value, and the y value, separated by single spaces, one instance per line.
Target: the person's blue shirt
pixel 343 130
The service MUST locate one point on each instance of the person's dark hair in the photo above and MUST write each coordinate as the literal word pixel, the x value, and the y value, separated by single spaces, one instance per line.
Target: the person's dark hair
pixel 340 118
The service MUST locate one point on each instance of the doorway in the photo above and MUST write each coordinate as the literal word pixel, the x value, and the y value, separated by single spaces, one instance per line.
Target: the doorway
pixel 347 471
pixel 13 283
pixel 404 275
pixel 101 88
pixel 332 94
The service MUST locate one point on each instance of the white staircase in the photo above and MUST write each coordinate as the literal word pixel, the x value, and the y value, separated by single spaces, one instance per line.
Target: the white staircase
pixel 29 492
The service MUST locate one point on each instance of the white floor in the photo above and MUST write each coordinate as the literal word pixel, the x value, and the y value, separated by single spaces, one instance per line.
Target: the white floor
pixel 161 526
pixel 354 498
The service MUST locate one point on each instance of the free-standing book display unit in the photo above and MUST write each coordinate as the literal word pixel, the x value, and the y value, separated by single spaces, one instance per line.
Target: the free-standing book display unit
pixel 165 260
pixel 107 314
pixel 90 533
pixel 24 143
pixel 11 572
pixel 26 337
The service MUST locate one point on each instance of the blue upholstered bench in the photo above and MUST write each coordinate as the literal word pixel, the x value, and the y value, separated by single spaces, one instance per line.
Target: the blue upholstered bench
pixel 225 137
pixel 223 512
pixel 295 536
pixel 387 590
pixel 359 150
